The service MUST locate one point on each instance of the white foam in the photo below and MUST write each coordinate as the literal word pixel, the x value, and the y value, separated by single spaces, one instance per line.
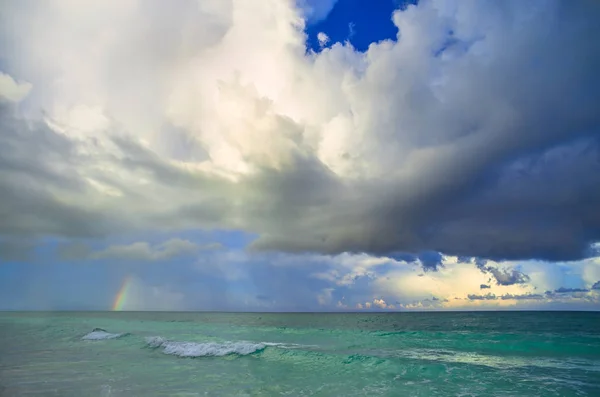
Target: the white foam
pixel 288 345
pixel 155 341
pixel 500 362
pixel 206 349
pixel 101 335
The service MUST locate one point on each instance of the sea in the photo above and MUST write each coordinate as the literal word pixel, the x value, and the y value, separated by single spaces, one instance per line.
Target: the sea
pixel 300 354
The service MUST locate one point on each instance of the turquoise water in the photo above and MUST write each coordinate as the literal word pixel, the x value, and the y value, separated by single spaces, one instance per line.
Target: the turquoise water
pixel 258 354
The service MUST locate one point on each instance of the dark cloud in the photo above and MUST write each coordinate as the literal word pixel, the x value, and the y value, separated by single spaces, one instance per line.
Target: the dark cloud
pixel 508 276
pixel 596 285
pixel 522 297
pixel 431 260
pixel 37 166
pixel 46 190
pixel 506 297
pixel 474 297
pixel 484 286
pixel 502 276
pixel 563 290
pixel 73 251
pixel 400 256
pixel 16 250
pixel 480 263
pixel 518 176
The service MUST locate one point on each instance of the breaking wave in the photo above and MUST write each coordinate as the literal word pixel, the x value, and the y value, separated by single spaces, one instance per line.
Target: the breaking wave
pixel 100 334
pixel 206 349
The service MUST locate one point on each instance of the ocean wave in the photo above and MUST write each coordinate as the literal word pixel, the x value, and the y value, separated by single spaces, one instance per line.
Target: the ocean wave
pixel 100 334
pixel 155 341
pixel 499 362
pixel 206 349
pixel 289 345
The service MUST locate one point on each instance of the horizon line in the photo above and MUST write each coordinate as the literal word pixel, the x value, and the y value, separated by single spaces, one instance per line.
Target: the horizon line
pixel 299 311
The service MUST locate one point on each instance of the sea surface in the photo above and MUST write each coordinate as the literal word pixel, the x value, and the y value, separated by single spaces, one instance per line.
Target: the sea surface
pixel 260 354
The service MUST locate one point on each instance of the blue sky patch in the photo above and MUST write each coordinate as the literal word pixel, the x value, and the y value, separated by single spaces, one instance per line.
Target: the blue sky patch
pixel 350 20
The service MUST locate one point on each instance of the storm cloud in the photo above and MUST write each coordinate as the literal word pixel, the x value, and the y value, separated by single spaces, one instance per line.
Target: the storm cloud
pixel 476 133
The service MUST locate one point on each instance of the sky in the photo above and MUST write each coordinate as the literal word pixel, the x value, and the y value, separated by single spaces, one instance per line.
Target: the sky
pixel 300 155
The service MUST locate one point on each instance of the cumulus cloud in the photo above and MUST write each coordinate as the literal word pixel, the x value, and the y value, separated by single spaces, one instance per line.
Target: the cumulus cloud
pixel 455 138
pixel 380 303
pixel 403 283
pixel 376 304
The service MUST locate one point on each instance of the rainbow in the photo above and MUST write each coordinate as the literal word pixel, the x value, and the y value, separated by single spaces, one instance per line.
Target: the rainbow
pixel 121 297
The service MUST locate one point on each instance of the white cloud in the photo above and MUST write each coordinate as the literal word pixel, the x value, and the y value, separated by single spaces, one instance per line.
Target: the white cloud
pixel 456 285
pixel 380 303
pixel 347 268
pixel 316 10
pixel 324 298
pixel 591 271
pixel 13 91
pixel 323 39
pixel 449 282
